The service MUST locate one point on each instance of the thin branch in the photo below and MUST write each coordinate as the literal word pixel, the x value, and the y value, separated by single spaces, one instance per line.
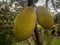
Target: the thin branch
pixel 37 36
pixel 54 5
pixel 28 41
pixel 47 3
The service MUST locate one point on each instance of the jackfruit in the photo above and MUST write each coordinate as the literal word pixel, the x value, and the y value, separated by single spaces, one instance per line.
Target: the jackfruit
pixel 25 23
pixel 44 17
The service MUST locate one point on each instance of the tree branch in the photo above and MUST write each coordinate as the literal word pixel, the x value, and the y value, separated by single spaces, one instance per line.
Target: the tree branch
pixel 47 3
pixel 54 5
pixel 37 36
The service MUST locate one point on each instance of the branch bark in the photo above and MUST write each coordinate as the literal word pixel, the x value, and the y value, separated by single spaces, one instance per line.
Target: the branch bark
pixel 47 3
pixel 54 5
pixel 37 36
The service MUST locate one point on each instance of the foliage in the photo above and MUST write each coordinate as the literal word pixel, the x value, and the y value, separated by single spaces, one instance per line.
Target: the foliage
pixel 6 27
pixel 55 4
pixel 57 18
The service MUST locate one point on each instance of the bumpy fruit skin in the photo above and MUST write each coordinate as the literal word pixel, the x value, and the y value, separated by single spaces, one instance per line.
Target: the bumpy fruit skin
pixel 44 17
pixel 25 23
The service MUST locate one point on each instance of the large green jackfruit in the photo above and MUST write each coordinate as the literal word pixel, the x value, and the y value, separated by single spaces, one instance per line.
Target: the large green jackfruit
pixel 44 17
pixel 25 23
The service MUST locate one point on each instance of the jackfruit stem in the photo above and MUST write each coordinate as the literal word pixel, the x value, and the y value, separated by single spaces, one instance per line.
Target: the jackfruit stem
pixel 30 2
pixel 37 36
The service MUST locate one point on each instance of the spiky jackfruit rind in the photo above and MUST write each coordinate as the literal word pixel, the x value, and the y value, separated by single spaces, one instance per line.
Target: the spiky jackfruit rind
pixel 25 23
pixel 44 17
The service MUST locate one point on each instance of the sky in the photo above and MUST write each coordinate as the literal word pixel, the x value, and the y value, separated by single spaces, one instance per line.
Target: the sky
pixel 40 2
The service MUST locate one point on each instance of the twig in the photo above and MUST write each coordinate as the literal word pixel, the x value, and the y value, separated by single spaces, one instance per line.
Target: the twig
pixel 28 41
pixel 54 5
pixel 47 3
pixel 37 36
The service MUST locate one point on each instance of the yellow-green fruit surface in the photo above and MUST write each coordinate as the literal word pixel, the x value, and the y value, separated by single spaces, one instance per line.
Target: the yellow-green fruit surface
pixel 44 17
pixel 25 23
pixel 39 26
